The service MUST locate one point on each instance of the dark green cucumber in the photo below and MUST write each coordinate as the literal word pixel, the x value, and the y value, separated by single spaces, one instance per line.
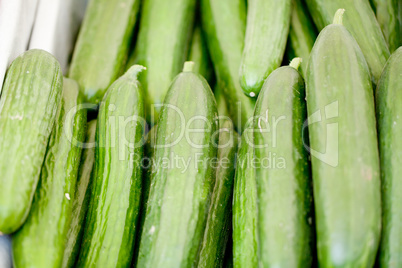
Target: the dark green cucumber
pixel 224 23
pixel 344 151
pixel 81 200
pixel 245 206
pixel 219 220
pixel 265 43
pixel 181 189
pixel 41 240
pixel 31 96
pixel 102 46
pixel 284 189
pixel 111 223
pixel 360 21
pixel 389 118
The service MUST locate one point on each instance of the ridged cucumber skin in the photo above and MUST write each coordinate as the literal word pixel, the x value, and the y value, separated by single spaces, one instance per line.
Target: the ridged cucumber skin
pixel 40 242
pixel 219 220
pixel 360 21
pixel 265 42
pixel 112 216
pixel 389 120
pixel 102 46
pixel 346 175
pixel 245 238
pixel 179 197
pixel 224 23
pixel 29 102
pixel 81 200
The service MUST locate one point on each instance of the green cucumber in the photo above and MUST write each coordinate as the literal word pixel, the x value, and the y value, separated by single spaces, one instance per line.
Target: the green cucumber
pixel 111 223
pixel 220 102
pixel 102 46
pixel 389 118
pixel 180 191
pixel 265 43
pixel 81 200
pixel 224 23
pixel 343 139
pixel 40 242
pixel 360 21
pixel 29 102
pixel 219 221
pixel 284 189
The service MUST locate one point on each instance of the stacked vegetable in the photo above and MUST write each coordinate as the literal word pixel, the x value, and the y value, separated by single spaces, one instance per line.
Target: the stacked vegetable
pixel 133 160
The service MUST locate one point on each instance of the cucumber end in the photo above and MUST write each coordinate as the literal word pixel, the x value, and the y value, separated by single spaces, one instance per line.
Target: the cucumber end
pixel 338 18
pixel 295 63
pixel 135 70
pixel 188 66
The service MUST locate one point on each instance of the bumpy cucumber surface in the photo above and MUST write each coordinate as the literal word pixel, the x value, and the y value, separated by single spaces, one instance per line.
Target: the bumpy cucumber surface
pixel 42 239
pixel 111 223
pixel 181 190
pixel 29 102
pixel 389 118
pixel 102 45
pixel 343 145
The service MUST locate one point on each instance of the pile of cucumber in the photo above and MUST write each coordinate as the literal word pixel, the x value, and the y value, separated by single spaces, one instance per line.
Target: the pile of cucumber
pixel 206 133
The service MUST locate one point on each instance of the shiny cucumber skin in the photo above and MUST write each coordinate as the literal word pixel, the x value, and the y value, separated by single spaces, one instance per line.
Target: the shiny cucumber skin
pixel 81 200
pixel 224 24
pixel 389 119
pixel 345 161
pixel 360 21
pixel 41 241
pixel 179 197
pixel 111 223
pixel 245 206
pixel 265 42
pixel 102 46
pixel 219 220
pixel 31 96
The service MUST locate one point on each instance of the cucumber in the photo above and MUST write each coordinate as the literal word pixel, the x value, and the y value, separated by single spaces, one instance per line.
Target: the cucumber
pixel 80 202
pixel 31 96
pixel 111 223
pixel 219 220
pixel 40 242
pixel 102 46
pixel 180 195
pixel 266 34
pixel 360 21
pixel 220 102
pixel 389 118
pixel 224 23
pixel 245 206
pixel 344 151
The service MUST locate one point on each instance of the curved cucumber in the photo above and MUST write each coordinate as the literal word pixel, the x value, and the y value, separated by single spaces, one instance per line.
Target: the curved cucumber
pixel 345 160
pixel 111 223
pixel 41 240
pixel 265 43
pixel 389 118
pixel 29 102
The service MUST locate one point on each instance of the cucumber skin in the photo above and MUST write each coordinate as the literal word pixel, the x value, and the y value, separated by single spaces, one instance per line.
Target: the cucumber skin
pixel 347 194
pixel 174 223
pixel 224 24
pixel 389 118
pixel 111 222
pixel 40 242
pixel 360 21
pixel 31 96
pixel 265 42
pixel 81 200
pixel 106 30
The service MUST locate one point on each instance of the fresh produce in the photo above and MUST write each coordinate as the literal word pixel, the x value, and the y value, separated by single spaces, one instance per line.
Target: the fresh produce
pixel 102 47
pixel 41 240
pixel 180 193
pixel 220 102
pixel 31 96
pixel 111 223
pixel 344 151
pixel 267 31
pixel 389 118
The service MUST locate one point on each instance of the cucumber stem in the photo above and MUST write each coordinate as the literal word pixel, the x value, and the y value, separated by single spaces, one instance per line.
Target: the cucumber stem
pixel 295 63
pixel 135 70
pixel 338 18
pixel 188 66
